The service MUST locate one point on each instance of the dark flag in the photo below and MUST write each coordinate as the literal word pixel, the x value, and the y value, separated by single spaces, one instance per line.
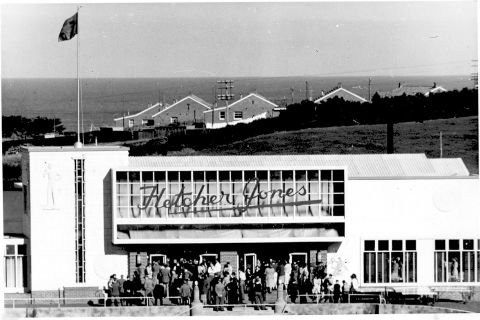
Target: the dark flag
pixel 69 29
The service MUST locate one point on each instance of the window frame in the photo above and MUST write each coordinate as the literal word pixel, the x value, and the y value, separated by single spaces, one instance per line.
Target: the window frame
pixel 376 260
pixel 221 115
pixel 445 276
pixel 236 113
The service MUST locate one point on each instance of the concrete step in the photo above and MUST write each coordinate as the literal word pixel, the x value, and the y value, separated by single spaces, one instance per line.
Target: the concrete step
pixel 238 312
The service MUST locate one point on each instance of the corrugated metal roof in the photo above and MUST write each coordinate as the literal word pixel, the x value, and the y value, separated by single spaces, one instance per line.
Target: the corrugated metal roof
pixel 450 167
pixel 359 165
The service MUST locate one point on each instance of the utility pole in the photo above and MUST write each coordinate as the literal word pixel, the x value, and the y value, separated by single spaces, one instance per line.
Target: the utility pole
pixel 291 93
pixel 441 145
pixel 226 95
pixel 369 83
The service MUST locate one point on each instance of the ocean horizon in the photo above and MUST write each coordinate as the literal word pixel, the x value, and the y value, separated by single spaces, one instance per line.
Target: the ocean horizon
pixel 106 98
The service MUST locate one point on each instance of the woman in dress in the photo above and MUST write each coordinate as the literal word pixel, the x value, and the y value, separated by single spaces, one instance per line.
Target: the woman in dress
pixel 269 278
pixel 395 268
pixel 454 269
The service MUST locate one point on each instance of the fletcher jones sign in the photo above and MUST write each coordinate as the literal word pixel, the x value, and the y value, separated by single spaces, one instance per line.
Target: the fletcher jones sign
pixel 185 201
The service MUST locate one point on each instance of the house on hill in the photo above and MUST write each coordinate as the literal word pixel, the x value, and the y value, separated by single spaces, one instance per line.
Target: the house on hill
pixel 412 90
pixel 142 118
pixel 187 111
pixel 341 92
pixel 245 110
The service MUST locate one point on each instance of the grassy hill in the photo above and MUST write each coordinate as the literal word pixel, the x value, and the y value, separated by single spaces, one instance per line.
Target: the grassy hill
pixel 460 140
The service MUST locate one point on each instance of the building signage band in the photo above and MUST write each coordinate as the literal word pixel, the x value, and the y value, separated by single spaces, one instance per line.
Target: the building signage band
pixel 186 200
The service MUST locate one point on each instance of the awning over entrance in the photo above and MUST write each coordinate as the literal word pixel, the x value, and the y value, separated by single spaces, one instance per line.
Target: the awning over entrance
pixel 229 235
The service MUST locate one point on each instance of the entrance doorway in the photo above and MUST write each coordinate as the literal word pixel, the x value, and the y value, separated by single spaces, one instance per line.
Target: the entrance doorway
pixel 300 257
pixel 249 259
pixel 160 258
pixel 208 257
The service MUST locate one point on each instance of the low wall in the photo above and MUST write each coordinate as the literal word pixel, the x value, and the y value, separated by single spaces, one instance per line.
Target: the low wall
pixel 331 309
pixel 101 312
pixel 363 308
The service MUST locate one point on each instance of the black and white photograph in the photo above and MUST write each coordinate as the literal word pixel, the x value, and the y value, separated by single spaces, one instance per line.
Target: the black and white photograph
pixel 240 159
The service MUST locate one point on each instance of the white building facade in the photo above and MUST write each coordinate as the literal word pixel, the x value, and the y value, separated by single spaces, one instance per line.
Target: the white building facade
pixel 396 220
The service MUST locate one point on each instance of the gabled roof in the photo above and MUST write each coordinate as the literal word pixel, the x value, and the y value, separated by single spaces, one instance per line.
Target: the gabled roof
pixel 192 97
pixel 358 165
pixel 244 98
pixel 335 91
pixel 138 113
pixel 412 90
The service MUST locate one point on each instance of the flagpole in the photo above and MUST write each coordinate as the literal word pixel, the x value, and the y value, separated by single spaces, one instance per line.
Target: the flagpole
pixel 78 144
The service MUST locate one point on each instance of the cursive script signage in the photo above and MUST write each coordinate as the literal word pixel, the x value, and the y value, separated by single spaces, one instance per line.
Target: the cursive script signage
pixel 184 201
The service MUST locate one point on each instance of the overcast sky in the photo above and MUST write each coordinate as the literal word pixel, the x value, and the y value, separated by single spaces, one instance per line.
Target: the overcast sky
pixel 242 39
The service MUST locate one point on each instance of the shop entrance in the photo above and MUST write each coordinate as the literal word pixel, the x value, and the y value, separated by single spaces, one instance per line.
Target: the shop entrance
pixel 208 257
pixel 300 257
pixel 250 259
pixel 160 258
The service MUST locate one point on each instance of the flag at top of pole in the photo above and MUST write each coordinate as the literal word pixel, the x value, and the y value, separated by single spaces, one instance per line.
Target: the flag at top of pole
pixel 69 29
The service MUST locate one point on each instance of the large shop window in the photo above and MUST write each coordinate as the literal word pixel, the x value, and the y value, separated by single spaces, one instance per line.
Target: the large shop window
pixel 15 266
pixel 390 261
pixel 230 194
pixel 457 260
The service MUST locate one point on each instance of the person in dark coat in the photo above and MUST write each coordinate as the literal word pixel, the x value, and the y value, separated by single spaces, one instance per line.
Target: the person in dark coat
pixel 336 292
pixel 233 290
pixel 128 291
pixel 219 295
pixel 158 291
pixel 258 290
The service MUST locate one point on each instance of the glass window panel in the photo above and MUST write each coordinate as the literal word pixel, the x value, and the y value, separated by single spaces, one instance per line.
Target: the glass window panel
pixel 147 176
pixel 22 249
pixel 383 245
pixel 262 175
pixel 301 175
pixel 199 176
pixel 275 175
pixel 439 244
pixel 312 175
pixel 396 267
pixel 338 199
pixel 186 176
pixel 314 210
pixel 478 265
pixel 236 175
pixel 224 175
pixel 326 174
pixel 10 249
pixel 453 266
pixel 173 176
pixel 134 176
pixel 369 245
pixel 467 244
pixel 411 266
pixel 468 266
pixel 122 212
pixel 211 176
pixel 123 200
pixel 369 267
pixel 338 187
pixel 10 272
pixel 411 245
pixel 383 269
pixel 159 176
pixel 249 175
pixel 135 188
pixel 397 245
pixel 121 176
pixel 287 175
pixel 19 272
pixel 338 210
pixel 441 267
pixel 453 244
pixel 338 175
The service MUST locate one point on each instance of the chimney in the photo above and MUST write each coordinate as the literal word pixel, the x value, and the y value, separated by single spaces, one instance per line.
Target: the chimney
pixel 322 93
pixel 399 84
pixel 339 85
pixel 434 84
pixel 390 147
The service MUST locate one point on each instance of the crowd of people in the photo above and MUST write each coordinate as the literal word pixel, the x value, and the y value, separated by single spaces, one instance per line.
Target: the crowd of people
pixel 222 287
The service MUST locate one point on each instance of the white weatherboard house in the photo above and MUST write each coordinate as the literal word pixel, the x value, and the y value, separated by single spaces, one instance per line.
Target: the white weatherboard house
pixel 399 220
